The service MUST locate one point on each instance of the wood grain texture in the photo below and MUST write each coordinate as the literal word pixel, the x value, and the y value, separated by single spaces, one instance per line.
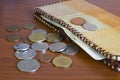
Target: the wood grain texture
pixel 19 12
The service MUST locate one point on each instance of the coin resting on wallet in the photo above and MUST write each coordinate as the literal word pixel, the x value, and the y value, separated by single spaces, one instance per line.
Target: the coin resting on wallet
pixel 78 21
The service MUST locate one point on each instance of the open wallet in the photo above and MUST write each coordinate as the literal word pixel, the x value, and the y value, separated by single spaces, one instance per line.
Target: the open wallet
pixel 98 35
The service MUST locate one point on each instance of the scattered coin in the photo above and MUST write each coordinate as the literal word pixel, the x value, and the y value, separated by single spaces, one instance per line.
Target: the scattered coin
pixel 13 28
pixel 28 65
pixel 78 21
pixel 62 61
pixel 39 31
pixel 40 46
pixel 71 49
pixel 21 47
pixel 37 37
pixel 13 37
pixel 45 57
pixel 57 47
pixel 28 54
pixel 89 26
pixel 29 26
pixel 53 37
pixel 26 40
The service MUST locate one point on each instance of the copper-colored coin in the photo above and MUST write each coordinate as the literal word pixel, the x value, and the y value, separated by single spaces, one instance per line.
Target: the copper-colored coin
pixel 13 28
pixel 46 57
pixel 26 40
pixel 13 37
pixel 78 21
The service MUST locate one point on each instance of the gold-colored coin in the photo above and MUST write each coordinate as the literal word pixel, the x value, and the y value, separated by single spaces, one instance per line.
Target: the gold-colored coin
pixel 62 61
pixel 13 37
pixel 29 26
pixel 53 37
pixel 37 37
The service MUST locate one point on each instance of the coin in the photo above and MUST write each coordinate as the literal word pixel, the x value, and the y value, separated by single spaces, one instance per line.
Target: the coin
pixel 53 37
pixel 26 40
pixel 39 31
pixel 28 54
pixel 28 65
pixel 13 28
pixel 40 46
pixel 71 49
pixel 64 35
pixel 62 61
pixel 78 21
pixel 57 47
pixel 22 47
pixel 29 26
pixel 45 57
pixel 13 37
pixel 89 26
pixel 37 37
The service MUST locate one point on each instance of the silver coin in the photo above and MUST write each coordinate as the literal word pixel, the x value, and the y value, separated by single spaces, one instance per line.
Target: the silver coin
pixel 89 26
pixel 28 54
pixel 71 49
pixel 28 65
pixel 22 47
pixel 39 31
pixel 40 46
pixel 58 47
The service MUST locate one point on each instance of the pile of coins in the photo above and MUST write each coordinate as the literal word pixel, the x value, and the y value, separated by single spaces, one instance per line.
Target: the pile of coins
pixel 82 22
pixel 40 41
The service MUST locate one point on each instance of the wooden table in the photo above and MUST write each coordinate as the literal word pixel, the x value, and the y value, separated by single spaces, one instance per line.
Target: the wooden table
pixel 19 12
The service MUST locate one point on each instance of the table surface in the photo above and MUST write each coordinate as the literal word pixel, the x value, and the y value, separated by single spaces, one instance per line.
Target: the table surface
pixel 19 12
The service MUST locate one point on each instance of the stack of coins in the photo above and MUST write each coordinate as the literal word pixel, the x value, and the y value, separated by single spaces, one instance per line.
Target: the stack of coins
pixel 82 22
